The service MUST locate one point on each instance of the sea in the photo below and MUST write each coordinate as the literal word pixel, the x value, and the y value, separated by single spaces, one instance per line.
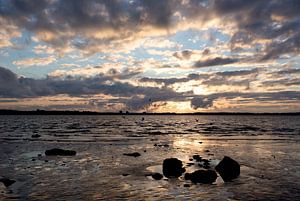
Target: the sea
pixel 267 147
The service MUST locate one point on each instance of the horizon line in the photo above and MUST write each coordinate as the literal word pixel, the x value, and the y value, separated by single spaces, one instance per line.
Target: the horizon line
pixel 78 112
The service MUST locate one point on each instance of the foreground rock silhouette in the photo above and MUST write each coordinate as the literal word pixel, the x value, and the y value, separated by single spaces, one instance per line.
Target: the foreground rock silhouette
pixel 228 169
pixel 6 181
pixel 157 176
pixel 202 176
pixel 172 167
pixel 59 152
pixel 134 154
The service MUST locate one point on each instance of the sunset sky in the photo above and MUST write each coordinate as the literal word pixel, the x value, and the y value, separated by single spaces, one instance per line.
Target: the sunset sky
pixel 150 55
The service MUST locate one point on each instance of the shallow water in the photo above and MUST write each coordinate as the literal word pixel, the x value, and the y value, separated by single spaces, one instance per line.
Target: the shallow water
pixel 267 147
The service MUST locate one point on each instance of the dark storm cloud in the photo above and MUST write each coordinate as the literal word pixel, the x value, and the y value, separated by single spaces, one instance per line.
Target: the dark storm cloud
pixel 12 86
pixel 77 15
pixel 70 20
pixel 207 101
pixel 257 20
pixel 215 62
pixel 210 79
pixel 133 97
pixel 281 83
pixel 238 73
pixel 200 102
pixel 186 54
pixel 290 71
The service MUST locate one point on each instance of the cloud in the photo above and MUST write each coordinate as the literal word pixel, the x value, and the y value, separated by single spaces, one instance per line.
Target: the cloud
pixel 272 27
pixel 218 61
pixel 118 93
pixel 35 61
pixel 186 54
pixel 201 103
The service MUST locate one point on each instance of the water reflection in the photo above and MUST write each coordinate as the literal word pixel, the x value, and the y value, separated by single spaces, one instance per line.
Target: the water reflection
pixel 269 157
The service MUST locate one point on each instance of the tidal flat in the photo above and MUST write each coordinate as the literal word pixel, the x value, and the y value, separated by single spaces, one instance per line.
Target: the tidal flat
pixel 106 165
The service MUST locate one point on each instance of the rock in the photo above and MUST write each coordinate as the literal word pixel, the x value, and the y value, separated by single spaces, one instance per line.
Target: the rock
pixel 125 174
pixel 35 136
pixel 172 167
pixel 202 176
pixel 186 185
pixel 6 181
pixel 59 152
pixel 197 157
pixel 157 176
pixel 228 168
pixel 134 154
pixel 187 176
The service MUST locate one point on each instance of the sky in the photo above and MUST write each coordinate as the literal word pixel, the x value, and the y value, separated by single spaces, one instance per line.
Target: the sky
pixel 150 55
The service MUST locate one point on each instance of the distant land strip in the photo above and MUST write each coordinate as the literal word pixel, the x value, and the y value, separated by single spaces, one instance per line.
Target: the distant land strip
pixel 71 112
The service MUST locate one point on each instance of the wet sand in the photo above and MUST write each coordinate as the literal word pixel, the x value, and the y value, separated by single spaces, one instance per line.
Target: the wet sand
pixel 270 162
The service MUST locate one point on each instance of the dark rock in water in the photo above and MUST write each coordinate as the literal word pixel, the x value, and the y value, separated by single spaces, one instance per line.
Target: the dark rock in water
pixel 157 176
pixel 125 174
pixel 228 168
pixel 187 176
pixel 6 181
pixel 190 164
pixel 172 167
pixel 186 185
pixel 197 157
pixel 35 136
pixel 202 176
pixel 59 152
pixel 134 154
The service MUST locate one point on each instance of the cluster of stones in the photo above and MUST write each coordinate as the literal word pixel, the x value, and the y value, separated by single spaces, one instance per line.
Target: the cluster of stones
pixel 228 169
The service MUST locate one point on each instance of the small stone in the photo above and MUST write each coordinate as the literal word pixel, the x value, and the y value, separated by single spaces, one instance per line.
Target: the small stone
pixel 59 152
pixel 186 185
pixel 134 154
pixel 202 176
pixel 187 176
pixel 172 167
pixel 197 157
pixel 125 174
pixel 157 176
pixel 228 169
pixel 7 182
pixel 35 136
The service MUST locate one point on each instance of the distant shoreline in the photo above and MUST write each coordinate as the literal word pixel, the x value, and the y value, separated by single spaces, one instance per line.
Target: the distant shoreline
pixel 70 112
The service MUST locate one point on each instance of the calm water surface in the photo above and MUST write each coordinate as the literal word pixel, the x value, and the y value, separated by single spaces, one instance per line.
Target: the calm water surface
pixel 267 147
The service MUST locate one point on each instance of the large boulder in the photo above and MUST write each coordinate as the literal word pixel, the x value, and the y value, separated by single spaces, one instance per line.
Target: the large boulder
pixel 202 176
pixel 59 152
pixel 228 169
pixel 172 167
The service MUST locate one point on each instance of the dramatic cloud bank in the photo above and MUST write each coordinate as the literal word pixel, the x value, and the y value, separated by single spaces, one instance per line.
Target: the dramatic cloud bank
pixel 184 55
